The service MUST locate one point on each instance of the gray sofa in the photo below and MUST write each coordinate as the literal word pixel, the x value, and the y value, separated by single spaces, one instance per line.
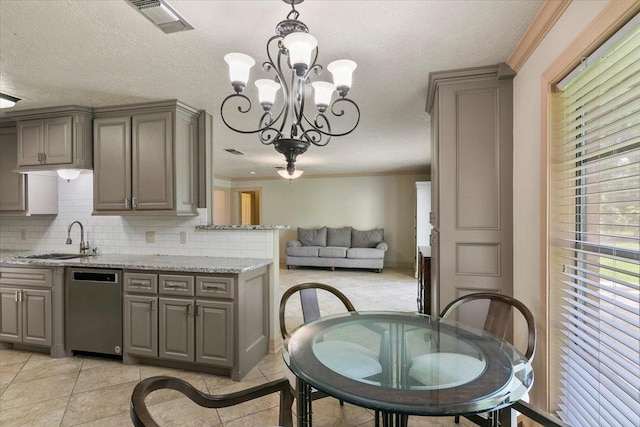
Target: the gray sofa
pixel 343 247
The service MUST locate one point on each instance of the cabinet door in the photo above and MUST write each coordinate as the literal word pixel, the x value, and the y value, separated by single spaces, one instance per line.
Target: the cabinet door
pixel 30 142
pixel 36 317
pixel 140 326
pixel 12 184
pixel 57 140
pixel 10 315
pixel 152 158
pixel 214 332
pixel 176 329
pixel 112 164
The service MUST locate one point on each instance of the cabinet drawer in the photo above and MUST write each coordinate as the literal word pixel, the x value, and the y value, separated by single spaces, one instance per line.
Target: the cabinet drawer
pixel 176 285
pixel 214 287
pixel 40 277
pixel 145 283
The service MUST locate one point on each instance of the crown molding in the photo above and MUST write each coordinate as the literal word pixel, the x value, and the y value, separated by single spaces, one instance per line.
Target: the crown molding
pixel 549 13
pixel 492 72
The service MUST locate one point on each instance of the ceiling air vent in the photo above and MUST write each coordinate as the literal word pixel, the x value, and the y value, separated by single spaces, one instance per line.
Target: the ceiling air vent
pixel 161 15
pixel 234 151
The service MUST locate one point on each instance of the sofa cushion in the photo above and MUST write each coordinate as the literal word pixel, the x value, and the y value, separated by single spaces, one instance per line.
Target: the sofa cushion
pixel 366 239
pixel 312 236
pixel 333 252
pixel 365 253
pixel 304 251
pixel 339 237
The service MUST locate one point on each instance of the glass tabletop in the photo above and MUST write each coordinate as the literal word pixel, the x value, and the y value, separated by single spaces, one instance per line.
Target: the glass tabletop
pixel 408 363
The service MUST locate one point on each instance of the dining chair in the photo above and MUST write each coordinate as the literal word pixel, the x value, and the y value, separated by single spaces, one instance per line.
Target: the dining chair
pixel 141 416
pixel 496 322
pixel 348 358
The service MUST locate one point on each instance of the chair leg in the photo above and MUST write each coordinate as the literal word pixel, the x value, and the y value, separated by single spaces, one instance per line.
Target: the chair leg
pixel 341 402
pixel 456 419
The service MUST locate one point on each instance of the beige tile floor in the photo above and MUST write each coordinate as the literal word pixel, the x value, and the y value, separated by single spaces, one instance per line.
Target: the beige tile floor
pixel 36 390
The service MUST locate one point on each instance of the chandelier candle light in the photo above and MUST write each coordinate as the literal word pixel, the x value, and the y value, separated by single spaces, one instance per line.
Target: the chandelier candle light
pixel 292 51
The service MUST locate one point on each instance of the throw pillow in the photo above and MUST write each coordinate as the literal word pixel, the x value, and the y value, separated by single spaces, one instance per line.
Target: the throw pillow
pixel 366 239
pixel 339 237
pixel 312 236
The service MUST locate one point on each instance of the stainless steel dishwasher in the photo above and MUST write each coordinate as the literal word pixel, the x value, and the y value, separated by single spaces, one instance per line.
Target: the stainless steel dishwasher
pixel 94 310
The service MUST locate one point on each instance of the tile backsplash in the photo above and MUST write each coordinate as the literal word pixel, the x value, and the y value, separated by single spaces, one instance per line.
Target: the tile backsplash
pixel 127 234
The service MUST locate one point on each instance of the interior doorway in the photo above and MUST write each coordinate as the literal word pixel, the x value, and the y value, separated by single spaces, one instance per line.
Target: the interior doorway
pixel 246 206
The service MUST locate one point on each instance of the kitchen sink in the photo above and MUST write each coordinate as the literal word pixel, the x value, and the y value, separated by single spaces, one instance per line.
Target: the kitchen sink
pixel 56 256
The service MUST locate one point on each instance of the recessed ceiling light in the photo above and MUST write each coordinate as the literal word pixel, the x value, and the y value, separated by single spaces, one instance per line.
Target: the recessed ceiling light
pixel 252 173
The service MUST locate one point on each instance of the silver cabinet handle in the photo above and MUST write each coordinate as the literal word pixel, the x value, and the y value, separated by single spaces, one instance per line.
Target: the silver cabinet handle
pixel 39 157
pixel 139 285
pixel 17 297
pixel 214 287
pixel 189 309
pixel 134 202
pixel 44 157
pixel 152 305
pixel 198 310
pixel 21 296
pixel 126 203
pixel 174 285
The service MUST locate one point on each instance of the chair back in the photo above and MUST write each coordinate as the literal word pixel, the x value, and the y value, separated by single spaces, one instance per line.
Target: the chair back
pixel 499 315
pixel 141 417
pixel 309 302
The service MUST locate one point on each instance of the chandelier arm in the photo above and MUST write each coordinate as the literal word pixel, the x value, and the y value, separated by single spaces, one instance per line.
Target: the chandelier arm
pixel 270 135
pixel 244 111
pixel 316 137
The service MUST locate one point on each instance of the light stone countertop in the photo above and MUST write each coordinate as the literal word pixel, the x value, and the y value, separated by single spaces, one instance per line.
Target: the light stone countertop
pixel 194 264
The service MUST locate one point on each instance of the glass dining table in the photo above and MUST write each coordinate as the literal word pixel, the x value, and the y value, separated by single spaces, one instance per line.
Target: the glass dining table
pixel 401 364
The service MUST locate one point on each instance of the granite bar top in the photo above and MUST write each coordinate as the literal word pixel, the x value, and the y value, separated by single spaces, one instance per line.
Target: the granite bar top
pixel 242 227
pixel 192 264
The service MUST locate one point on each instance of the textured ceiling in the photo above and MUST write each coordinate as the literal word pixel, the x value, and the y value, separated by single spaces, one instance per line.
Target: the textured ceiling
pixel 103 52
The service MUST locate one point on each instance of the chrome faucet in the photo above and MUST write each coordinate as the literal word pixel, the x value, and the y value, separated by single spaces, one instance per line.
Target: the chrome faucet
pixel 84 248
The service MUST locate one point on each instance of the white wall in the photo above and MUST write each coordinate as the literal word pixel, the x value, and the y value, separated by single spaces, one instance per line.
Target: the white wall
pixel 363 202
pixel 127 234
pixel 529 285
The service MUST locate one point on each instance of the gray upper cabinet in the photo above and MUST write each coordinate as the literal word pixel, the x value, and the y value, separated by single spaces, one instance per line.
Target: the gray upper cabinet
pixel 54 138
pixel 22 194
pixel 145 159
pixel 471 172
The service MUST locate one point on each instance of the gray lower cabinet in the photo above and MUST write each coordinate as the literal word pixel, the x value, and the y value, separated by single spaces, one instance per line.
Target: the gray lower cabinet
pixel 218 323
pixel 31 315
pixel 140 325
pixel 197 330
pixel 214 332
pixel 26 316
pixel 176 329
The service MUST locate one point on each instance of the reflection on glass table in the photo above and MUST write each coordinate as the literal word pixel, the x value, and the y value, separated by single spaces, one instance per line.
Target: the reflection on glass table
pixel 430 366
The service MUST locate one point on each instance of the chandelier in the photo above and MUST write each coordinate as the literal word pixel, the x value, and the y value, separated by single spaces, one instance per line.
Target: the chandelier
pixel 292 54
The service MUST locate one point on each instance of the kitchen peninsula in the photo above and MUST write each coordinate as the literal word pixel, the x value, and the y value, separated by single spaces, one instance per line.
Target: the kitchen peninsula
pixel 192 312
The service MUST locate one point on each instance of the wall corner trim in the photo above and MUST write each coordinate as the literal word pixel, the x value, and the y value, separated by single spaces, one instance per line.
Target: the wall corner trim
pixel 549 13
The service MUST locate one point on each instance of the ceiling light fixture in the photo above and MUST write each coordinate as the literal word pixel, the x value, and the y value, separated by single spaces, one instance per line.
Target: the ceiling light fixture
pixel 69 174
pixel 286 175
pixel 7 101
pixel 292 55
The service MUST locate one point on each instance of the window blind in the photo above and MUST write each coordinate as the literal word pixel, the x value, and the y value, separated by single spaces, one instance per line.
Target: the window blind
pixel 596 245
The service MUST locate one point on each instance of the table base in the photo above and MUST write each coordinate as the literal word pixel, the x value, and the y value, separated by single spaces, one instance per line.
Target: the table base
pixel 389 419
